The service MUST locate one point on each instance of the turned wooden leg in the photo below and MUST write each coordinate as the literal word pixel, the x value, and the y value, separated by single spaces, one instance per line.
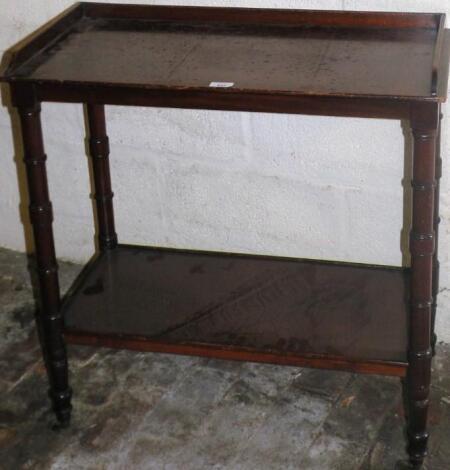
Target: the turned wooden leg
pixel 50 320
pixel 424 128
pixel 436 221
pixel 99 151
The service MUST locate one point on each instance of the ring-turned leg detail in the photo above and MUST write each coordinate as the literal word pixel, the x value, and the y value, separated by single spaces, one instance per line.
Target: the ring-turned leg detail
pixel 50 320
pixel 103 195
pixel 436 221
pixel 422 245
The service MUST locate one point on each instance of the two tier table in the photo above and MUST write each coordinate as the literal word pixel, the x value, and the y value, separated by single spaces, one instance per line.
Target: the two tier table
pixel 355 317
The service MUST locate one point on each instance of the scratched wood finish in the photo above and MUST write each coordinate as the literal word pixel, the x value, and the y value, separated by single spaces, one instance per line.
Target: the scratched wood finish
pixel 98 143
pixel 292 60
pixel 349 317
pixel 261 304
pixel 424 124
pixel 298 52
pixel 41 216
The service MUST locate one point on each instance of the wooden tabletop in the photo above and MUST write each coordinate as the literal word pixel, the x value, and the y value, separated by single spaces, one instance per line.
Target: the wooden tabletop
pixel 297 52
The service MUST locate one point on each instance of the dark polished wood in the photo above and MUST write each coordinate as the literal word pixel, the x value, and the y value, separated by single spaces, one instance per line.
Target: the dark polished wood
pixel 424 124
pixel 236 353
pixel 284 311
pixel 227 101
pixel 265 59
pixel 296 52
pixel 355 314
pixel 436 222
pixel 266 16
pixel 103 195
pixel 50 319
pixel 437 52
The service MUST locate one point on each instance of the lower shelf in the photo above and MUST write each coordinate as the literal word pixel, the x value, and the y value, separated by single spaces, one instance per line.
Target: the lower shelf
pixel 256 308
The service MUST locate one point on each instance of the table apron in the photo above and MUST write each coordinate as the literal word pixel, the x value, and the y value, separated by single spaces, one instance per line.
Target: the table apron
pixel 345 106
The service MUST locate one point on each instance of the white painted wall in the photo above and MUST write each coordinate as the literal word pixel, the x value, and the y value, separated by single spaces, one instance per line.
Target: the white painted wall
pixel 286 185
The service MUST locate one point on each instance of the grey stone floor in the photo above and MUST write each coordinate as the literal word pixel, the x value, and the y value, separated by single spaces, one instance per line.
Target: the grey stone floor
pixel 155 411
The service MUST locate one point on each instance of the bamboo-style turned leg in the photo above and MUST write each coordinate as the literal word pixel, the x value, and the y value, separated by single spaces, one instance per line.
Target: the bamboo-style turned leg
pixel 436 222
pixel 41 218
pixel 99 151
pixel 424 127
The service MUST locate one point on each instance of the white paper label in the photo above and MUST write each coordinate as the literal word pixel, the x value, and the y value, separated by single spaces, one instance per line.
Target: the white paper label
pixel 221 84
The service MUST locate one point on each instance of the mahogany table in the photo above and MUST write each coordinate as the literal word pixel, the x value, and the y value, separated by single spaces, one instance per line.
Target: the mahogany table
pixel 361 318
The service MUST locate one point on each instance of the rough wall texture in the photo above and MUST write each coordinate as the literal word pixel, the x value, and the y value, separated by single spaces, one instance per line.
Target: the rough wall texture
pixel 286 185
